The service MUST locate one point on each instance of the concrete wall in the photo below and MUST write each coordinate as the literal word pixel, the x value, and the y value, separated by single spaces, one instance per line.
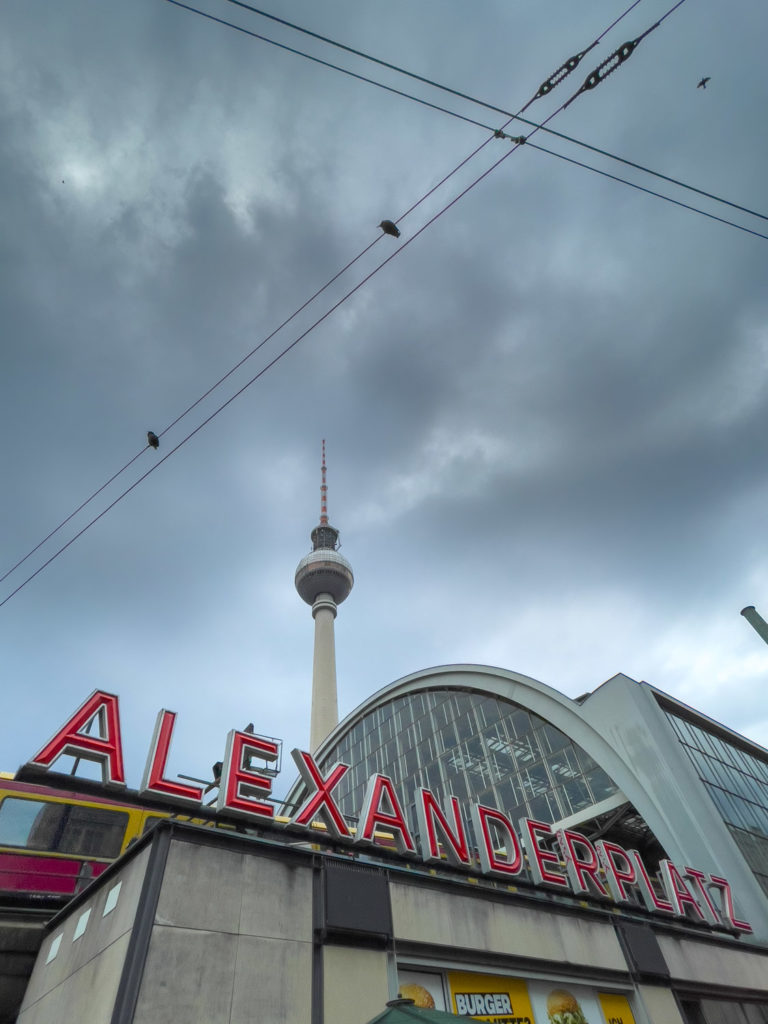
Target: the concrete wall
pixel 232 940
pixel 658 1004
pixel 79 982
pixel 444 919
pixel 702 963
pixel 355 984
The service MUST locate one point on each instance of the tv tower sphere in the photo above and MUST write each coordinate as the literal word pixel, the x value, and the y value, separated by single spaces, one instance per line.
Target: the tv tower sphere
pixel 324 571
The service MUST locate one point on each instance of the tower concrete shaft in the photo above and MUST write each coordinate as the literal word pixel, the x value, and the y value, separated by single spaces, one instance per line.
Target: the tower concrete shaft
pixel 324 579
pixel 325 706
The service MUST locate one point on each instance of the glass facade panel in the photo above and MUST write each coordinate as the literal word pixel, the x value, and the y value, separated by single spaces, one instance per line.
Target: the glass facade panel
pixel 735 779
pixel 477 747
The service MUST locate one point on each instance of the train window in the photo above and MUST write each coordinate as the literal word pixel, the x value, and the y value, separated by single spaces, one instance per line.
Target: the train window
pixel 30 823
pixel 93 832
pixel 151 821
pixel 62 828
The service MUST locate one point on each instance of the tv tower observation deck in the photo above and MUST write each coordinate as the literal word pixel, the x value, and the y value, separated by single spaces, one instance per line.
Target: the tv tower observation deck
pixel 324 579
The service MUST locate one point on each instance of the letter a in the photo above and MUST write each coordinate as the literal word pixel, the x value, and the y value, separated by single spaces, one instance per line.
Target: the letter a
pixel 104 747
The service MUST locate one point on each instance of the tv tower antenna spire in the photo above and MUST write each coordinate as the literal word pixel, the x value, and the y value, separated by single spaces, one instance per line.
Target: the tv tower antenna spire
pixel 324 579
pixel 323 494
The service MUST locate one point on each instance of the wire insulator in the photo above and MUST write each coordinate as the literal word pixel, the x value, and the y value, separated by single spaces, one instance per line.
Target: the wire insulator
pixel 562 72
pixel 608 66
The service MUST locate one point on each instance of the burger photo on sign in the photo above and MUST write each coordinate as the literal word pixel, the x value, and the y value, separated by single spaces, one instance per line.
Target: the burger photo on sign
pixel 563 1008
pixel 420 996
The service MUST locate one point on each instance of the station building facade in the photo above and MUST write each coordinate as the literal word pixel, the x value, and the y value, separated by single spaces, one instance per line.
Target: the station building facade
pixel 625 762
pixel 276 924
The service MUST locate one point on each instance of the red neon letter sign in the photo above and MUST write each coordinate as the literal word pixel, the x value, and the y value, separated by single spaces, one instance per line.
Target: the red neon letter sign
pixel 582 870
pixel 105 749
pixel 617 876
pixel 538 859
pixel 380 790
pixel 153 780
pixel 319 802
pixel 239 786
pixel 727 911
pixel 679 894
pixel 484 819
pixel 699 878
pixel 431 818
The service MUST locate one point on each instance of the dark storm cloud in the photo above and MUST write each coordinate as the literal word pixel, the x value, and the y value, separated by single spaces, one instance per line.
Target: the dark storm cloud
pixel 543 417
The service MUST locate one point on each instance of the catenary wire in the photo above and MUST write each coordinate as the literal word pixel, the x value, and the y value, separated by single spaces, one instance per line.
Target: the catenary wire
pixel 641 188
pixel 261 372
pixel 288 348
pixel 351 262
pixel 71 516
pixel 403 71
pixel 463 95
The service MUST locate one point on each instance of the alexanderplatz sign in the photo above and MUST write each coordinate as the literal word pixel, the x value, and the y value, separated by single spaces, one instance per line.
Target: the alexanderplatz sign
pixel 602 869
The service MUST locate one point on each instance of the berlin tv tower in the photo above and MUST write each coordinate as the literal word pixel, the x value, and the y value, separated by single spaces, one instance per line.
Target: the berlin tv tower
pixel 324 579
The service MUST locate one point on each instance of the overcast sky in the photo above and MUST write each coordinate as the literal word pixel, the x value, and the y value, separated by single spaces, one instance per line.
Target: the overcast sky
pixel 546 417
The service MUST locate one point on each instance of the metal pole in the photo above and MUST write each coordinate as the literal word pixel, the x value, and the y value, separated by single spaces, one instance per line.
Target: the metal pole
pixel 756 621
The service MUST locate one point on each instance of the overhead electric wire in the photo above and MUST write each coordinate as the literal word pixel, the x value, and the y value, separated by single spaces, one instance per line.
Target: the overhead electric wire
pixel 351 262
pixel 295 342
pixel 402 71
pixel 641 188
pixel 455 92
pixel 71 516
pixel 189 408
pixel 261 372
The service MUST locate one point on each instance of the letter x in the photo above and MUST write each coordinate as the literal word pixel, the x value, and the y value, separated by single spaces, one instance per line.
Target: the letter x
pixel 320 802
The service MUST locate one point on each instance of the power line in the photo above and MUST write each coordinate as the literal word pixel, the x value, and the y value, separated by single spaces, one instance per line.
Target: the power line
pixel 296 341
pixel 550 83
pixel 261 372
pixel 618 57
pixel 189 408
pixel 253 379
pixel 458 93
pixel 641 188
pixel 544 88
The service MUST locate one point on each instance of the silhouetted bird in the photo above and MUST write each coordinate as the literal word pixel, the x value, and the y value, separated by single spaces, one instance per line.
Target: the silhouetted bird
pixel 153 439
pixel 703 83
pixel 389 228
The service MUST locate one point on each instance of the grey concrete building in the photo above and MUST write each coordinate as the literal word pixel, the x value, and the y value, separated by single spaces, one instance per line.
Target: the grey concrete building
pixel 285 922
pixel 207 926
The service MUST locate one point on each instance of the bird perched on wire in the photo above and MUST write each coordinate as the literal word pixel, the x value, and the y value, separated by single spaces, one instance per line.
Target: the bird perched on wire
pixel 703 83
pixel 390 228
pixel 153 439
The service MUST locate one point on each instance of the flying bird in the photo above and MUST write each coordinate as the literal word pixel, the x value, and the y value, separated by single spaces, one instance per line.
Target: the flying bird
pixel 703 83
pixel 390 228
pixel 153 439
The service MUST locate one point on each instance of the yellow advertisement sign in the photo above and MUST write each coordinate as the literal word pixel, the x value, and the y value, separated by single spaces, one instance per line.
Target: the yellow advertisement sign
pixel 615 1008
pixel 490 998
